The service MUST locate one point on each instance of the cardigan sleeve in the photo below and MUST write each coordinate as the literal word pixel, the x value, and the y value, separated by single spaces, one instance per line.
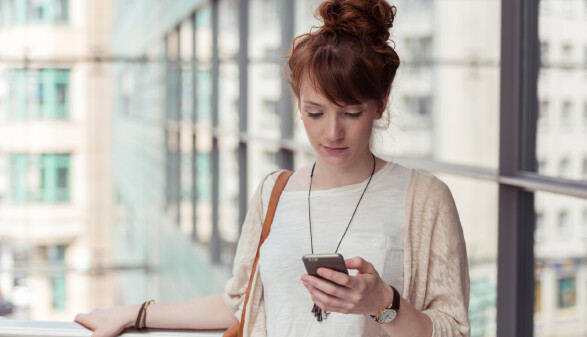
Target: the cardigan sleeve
pixel 236 287
pixel 439 267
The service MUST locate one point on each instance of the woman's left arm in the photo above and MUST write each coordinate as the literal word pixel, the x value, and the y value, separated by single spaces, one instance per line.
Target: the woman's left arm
pixel 365 293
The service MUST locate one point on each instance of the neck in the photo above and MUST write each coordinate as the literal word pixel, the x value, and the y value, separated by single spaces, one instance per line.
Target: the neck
pixel 329 176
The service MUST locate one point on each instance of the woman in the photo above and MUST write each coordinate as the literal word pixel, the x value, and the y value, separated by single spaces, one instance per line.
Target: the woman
pixel 408 265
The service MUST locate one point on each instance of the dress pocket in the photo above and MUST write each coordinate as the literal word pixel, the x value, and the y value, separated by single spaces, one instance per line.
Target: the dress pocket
pixel 372 248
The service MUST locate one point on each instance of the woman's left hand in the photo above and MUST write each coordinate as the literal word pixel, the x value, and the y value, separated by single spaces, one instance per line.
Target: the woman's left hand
pixel 364 293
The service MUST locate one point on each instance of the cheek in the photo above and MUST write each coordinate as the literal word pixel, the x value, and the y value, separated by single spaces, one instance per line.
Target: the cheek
pixel 309 127
pixel 364 131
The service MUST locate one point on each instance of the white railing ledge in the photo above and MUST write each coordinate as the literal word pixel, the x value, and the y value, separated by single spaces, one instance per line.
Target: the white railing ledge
pixel 13 328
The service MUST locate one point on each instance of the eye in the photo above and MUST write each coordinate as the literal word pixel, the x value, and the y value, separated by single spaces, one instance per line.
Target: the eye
pixel 314 115
pixel 353 114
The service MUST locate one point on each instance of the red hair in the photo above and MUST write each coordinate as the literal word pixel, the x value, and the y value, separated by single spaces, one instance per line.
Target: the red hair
pixel 348 59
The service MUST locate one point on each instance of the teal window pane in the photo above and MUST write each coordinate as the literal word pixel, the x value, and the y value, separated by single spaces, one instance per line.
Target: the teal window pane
pixel 35 10
pixel 59 292
pixel 17 177
pixel 56 255
pixel 50 102
pixel 20 11
pixel 7 12
pixel 61 11
pixel 34 178
pixel 9 79
pixel 60 90
pixel 38 94
pixel 56 178
pixel 34 93
pixel 19 107
pixel 204 177
pixel 204 92
pixel 63 177
pixel 567 293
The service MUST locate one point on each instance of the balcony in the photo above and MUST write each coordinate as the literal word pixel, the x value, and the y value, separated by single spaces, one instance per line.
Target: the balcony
pixel 9 328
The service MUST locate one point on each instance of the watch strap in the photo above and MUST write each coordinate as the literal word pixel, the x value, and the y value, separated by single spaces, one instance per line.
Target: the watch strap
pixel 394 304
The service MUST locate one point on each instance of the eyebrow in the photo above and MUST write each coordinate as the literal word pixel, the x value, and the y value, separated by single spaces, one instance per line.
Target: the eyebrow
pixel 320 105
pixel 311 103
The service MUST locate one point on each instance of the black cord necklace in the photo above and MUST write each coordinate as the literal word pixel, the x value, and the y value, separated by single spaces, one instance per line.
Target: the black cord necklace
pixel 316 310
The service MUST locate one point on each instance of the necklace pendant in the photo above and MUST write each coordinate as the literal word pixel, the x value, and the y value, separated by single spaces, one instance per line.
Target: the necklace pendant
pixel 317 311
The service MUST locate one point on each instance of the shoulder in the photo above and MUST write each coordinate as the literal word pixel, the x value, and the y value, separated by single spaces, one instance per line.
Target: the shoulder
pixel 425 187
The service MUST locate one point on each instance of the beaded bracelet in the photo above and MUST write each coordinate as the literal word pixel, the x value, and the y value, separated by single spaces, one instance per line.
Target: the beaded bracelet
pixel 142 316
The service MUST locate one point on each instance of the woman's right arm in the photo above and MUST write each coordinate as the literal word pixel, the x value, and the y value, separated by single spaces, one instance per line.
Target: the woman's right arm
pixel 210 312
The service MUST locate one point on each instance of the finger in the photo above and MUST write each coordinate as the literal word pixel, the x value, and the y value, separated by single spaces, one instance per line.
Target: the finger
pixel 358 263
pixel 327 287
pixel 82 319
pixel 335 276
pixel 328 302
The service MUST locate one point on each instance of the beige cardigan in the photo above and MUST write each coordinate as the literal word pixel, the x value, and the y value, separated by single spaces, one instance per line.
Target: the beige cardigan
pixel 436 274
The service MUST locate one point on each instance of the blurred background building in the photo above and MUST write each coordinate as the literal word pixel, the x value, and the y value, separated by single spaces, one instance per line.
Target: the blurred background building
pixel 133 134
pixel 55 155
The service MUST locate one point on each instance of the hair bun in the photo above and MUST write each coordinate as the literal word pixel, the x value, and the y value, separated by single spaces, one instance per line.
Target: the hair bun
pixel 368 20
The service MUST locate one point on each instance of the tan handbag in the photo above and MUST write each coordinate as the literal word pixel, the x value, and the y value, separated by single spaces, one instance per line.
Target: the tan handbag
pixel 237 329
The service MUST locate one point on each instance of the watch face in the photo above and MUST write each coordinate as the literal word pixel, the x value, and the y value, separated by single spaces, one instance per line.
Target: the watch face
pixel 387 316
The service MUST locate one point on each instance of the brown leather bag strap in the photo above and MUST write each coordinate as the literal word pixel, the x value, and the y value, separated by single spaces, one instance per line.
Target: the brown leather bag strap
pixel 275 194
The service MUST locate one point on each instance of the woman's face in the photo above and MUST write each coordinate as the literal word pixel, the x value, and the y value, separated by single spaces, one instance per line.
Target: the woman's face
pixel 339 135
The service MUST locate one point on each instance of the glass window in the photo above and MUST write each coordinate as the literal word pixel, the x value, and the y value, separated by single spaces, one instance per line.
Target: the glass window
pixel 35 10
pixel 537 296
pixel 567 56
pixel 560 83
pixel 447 82
pixel 56 256
pixel 38 93
pixel 564 168
pixel 566 115
pixel 539 233
pixel 558 271
pixel 477 206
pixel 228 119
pixel 567 293
pixel 34 94
pixel 563 224
pixel 61 11
pixel 56 177
pixel 58 80
pixel 418 112
pixel 544 51
pixel 39 178
pixel 543 114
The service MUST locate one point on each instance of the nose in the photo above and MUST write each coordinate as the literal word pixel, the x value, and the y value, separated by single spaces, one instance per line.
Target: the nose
pixel 334 129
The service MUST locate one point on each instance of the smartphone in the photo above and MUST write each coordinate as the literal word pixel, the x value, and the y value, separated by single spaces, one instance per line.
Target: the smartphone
pixel 332 261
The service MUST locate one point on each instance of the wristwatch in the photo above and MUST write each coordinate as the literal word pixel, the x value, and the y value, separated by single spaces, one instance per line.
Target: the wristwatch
pixel 388 314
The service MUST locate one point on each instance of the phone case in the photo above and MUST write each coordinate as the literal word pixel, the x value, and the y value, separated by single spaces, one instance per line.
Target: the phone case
pixel 331 261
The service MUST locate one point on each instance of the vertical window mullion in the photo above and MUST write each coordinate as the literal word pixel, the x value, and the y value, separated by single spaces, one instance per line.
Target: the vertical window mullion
pixel 518 102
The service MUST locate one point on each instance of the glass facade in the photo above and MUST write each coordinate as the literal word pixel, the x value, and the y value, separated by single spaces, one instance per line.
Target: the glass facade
pixel 15 12
pixel 41 178
pixel 560 265
pixel 37 94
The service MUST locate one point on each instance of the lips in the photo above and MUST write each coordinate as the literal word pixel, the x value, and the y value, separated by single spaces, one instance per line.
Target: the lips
pixel 334 150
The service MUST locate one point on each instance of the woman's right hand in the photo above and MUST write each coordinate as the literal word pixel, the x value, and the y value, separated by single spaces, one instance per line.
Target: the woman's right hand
pixel 109 322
